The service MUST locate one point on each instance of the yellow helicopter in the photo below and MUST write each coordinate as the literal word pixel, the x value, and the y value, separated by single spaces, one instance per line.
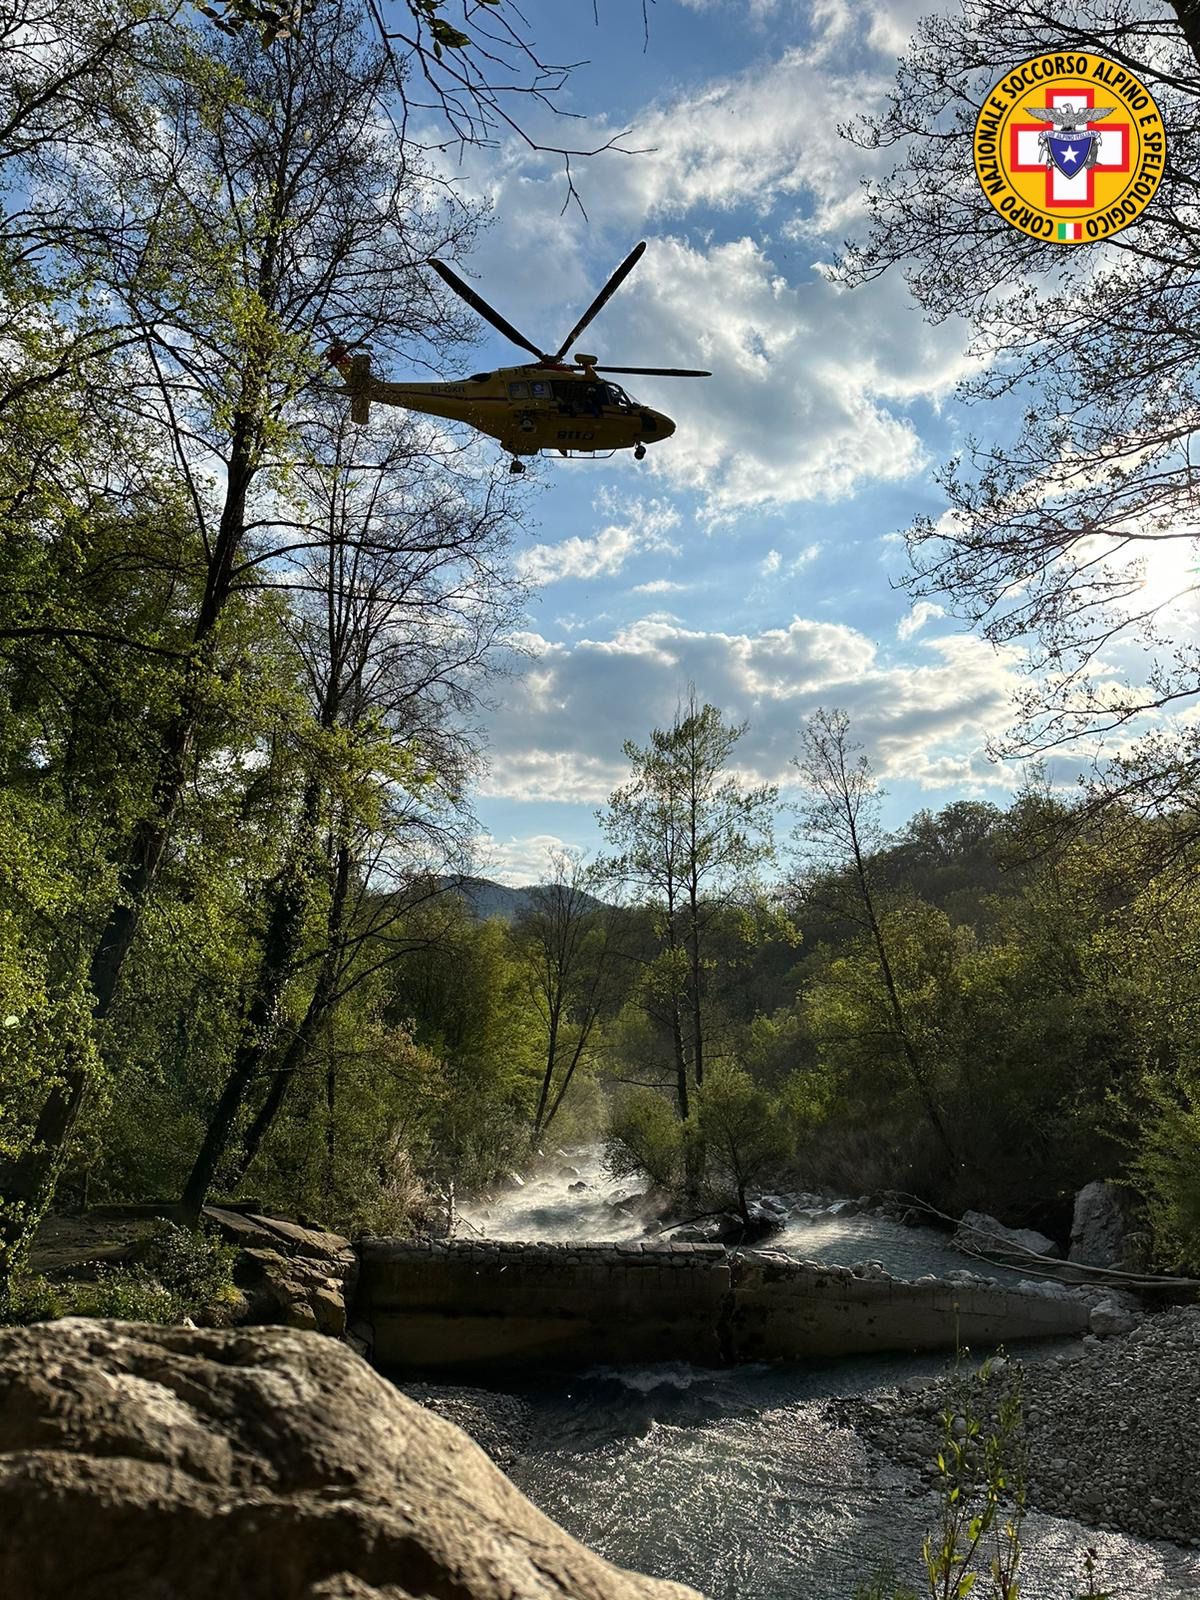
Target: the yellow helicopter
pixel 547 404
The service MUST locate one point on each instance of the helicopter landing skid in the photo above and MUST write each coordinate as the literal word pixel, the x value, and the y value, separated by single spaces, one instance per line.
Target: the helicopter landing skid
pixel 580 455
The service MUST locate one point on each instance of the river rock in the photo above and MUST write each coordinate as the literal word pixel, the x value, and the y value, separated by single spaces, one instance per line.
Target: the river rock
pixel 764 1221
pixel 1116 1313
pixel 296 1291
pixel 1098 1227
pixel 265 1464
pixel 290 1273
pixel 1109 1432
pixel 979 1234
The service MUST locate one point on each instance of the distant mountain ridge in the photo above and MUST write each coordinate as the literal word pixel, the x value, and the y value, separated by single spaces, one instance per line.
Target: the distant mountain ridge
pixel 487 898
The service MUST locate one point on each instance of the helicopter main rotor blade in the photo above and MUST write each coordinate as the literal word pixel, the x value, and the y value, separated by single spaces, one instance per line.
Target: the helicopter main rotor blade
pixel 602 299
pixel 659 372
pixel 478 303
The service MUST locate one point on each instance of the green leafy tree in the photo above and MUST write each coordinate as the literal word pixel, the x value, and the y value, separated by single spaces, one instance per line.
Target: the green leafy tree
pixel 270 199
pixel 688 840
pixel 747 1137
pixel 839 822
pixel 563 941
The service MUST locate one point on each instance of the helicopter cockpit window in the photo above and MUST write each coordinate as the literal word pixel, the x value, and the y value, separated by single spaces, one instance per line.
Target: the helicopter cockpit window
pixel 580 399
pixel 614 395
pixel 519 391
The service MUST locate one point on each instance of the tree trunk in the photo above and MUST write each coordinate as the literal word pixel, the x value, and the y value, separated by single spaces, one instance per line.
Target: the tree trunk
pixel 316 1013
pixel 281 946
pixel 548 1076
pixel 697 1017
pixel 27 1184
pixel 681 1067
pixel 915 1065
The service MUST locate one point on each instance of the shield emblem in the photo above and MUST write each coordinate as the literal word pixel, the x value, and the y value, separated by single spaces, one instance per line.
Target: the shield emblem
pixel 1070 152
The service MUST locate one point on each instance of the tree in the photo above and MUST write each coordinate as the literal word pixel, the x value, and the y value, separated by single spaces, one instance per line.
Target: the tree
pixel 563 940
pixel 462 998
pixel 689 840
pixel 839 821
pixel 1050 535
pixel 747 1136
pixel 482 82
pixel 263 199
pixel 398 595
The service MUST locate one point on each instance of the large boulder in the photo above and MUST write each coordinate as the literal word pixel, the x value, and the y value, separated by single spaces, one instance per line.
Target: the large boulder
pixel 148 1463
pixel 979 1234
pixel 297 1276
pixel 1099 1226
pixel 1115 1313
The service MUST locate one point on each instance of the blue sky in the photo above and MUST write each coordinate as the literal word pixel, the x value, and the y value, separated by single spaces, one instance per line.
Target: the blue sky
pixel 756 552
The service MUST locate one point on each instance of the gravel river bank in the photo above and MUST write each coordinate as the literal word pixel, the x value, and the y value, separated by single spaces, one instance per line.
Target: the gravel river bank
pixel 1110 1427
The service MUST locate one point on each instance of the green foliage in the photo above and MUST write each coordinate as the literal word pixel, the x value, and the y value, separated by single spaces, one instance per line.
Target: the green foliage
pixel 746 1136
pixel 1166 1166
pixel 181 1272
pixel 191 1264
pixel 646 1138
pixel 975 1546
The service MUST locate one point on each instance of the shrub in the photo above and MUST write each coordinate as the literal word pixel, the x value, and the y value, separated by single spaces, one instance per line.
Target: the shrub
pixel 975 1548
pixel 192 1265
pixel 746 1135
pixel 181 1273
pixel 646 1136
pixel 1167 1166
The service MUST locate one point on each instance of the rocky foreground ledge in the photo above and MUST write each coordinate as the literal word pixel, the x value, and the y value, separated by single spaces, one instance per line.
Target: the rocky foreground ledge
pixel 260 1464
pixel 1111 1430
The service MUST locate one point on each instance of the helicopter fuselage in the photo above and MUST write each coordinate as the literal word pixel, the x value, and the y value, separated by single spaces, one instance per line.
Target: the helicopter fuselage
pixel 530 408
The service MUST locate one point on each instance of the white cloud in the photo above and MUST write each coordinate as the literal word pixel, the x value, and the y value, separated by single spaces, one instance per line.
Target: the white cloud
pixel 516 861
pixel 924 611
pixel 808 555
pixel 560 738
pixel 799 407
pixel 644 527
pixel 660 586
pixel 770 563
pixel 810 382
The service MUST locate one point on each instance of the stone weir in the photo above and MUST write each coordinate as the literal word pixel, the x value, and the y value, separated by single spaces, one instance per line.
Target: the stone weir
pixel 437 1304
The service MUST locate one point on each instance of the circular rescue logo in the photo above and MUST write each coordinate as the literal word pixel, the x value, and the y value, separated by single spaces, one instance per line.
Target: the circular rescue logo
pixel 1069 148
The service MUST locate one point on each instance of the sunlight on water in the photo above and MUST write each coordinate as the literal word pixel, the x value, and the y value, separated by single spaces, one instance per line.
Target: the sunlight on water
pixel 740 1482
pixel 545 1208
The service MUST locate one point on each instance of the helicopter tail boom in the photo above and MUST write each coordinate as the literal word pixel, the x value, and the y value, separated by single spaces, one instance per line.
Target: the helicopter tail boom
pixel 358 382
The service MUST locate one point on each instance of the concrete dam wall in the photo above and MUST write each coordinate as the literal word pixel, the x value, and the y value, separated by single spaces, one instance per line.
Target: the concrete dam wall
pixel 434 1304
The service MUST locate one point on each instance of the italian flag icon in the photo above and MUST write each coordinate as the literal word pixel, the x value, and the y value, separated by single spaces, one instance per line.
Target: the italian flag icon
pixel 1069 231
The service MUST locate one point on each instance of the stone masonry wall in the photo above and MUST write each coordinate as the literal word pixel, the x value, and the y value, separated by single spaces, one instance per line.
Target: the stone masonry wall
pixel 431 1304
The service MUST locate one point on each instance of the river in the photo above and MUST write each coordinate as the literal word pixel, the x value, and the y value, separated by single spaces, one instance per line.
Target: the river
pixel 740 1481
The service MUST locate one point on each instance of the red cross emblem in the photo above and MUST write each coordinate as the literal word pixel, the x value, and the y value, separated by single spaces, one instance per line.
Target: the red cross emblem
pixel 1078 190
